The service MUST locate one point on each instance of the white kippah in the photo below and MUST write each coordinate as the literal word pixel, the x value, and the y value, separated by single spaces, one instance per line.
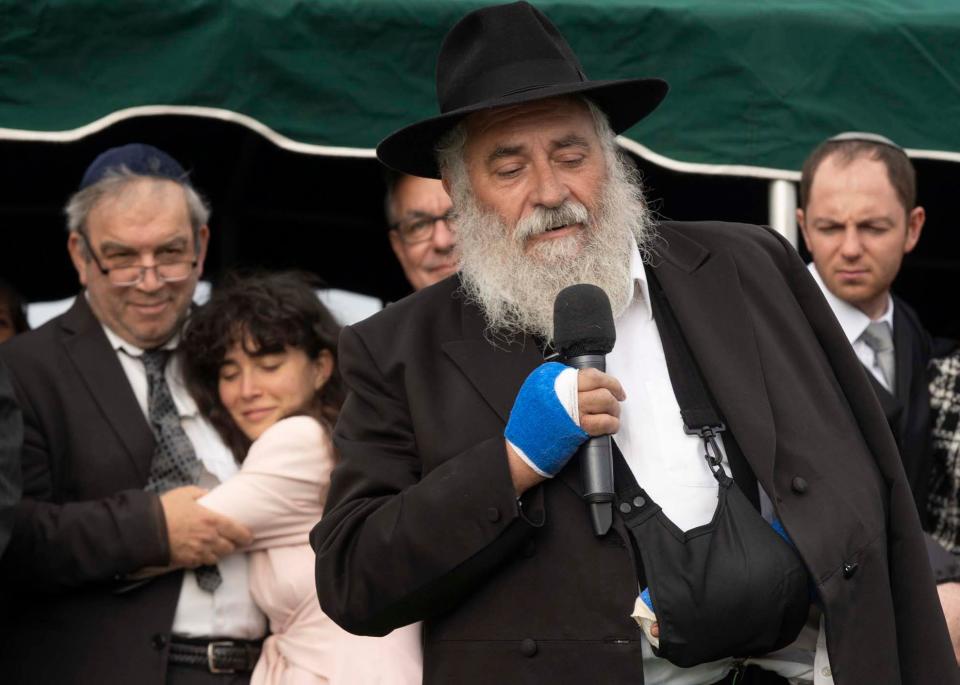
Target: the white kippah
pixel 866 138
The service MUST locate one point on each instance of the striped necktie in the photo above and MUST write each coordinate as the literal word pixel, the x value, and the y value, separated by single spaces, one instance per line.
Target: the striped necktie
pixel 174 461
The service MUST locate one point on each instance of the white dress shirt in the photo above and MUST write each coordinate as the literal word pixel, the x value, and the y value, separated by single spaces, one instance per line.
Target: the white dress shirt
pixel 229 611
pixel 854 322
pixel 669 465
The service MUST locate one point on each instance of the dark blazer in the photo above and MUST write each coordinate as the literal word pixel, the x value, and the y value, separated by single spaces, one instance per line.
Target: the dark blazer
pixel 422 522
pixel 908 411
pixel 11 440
pixel 85 519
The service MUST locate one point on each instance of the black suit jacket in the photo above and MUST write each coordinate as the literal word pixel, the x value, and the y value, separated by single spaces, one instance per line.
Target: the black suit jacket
pixel 85 520
pixel 422 522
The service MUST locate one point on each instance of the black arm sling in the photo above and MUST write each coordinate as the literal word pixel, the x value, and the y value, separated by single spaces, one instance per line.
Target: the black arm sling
pixel 733 587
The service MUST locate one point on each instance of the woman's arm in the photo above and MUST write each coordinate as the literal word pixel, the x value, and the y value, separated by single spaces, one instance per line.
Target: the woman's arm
pixel 280 490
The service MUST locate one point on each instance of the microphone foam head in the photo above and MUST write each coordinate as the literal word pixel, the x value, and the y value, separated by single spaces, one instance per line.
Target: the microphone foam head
pixel 583 321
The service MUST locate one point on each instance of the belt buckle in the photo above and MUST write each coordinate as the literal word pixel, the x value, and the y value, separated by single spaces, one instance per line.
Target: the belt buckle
pixel 211 656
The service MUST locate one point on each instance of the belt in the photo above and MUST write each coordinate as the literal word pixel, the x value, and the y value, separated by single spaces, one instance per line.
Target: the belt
pixel 216 656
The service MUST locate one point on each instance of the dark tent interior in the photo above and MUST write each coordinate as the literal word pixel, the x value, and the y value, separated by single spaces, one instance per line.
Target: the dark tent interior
pixel 274 209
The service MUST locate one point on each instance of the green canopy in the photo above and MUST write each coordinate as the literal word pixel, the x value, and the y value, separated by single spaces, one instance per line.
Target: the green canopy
pixel 754 83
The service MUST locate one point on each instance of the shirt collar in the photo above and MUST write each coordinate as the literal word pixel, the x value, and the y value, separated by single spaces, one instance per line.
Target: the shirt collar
pixel 853 321
pixel 641 288
pixel 121 345
pixel 186 406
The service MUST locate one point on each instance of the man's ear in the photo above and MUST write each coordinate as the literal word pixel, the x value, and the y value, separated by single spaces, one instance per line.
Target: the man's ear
pixel 203 237
pixel 915 221
pixel 803 228
pixel 75 248
pixel 445 182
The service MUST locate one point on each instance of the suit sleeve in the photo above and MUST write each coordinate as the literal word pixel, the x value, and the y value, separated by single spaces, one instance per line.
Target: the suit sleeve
pixel 924 649
pixel 946 568
pixel 280 489
pixel 397 544
pixel 11 441
pixel 57 545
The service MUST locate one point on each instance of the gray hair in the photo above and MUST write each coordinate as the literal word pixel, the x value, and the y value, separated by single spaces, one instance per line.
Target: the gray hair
pixel 82 202
pixel 450 147
pixel 391 179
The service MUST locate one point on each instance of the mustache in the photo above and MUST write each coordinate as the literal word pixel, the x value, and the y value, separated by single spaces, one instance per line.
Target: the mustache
pixel 543 219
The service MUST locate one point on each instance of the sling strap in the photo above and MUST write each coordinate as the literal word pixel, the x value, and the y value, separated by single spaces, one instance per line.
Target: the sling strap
pixel 732 587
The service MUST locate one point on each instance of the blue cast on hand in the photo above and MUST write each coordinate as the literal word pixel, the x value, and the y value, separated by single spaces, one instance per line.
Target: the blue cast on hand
pixel 539 426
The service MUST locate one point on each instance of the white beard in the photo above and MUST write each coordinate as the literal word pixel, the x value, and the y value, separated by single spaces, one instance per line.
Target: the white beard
pixel 516 289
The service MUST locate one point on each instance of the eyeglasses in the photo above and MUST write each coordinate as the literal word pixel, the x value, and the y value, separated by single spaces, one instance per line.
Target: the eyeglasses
pixel 166 270
pixel 421 228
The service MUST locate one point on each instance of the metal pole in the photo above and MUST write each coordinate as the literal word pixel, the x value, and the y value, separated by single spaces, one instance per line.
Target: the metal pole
pixel 783 209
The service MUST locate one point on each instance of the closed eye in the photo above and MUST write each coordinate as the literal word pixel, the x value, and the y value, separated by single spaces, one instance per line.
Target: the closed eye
pixel 508 172
pixel 271 362
pixel 573 162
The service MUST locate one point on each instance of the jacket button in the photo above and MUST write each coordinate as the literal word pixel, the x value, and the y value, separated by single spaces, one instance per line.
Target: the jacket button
pixel 625 507
pixel 639 501
pixel 798 485
pixel 159 641
pixel 493 514
pixel 850 569
pixel 528 647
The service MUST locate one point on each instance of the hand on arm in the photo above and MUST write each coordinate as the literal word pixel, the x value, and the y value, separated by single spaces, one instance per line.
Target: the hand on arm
pixel 197 535
pixel 541 425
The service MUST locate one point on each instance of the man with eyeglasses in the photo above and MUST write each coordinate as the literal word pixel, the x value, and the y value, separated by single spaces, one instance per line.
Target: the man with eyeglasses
pixel 422 234
pixel 114 452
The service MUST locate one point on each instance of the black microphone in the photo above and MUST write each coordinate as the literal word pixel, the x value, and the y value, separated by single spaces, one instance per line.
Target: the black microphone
pixel 583 333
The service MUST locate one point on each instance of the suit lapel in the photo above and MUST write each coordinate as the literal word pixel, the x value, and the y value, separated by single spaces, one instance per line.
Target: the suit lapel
pixel 96 362
pixel 704 291
pixel 497 372
pixel 903 356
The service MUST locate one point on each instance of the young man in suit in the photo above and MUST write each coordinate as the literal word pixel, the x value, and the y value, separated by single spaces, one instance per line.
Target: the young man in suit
pixel 422 232
pixel 115 455
pixel 859 217
pixel 456 501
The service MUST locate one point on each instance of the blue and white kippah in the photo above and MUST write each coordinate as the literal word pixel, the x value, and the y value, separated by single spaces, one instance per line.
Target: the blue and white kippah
pixel 543 428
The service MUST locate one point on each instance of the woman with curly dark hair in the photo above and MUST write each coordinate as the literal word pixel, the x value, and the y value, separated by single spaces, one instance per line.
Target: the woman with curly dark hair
pixel 260 360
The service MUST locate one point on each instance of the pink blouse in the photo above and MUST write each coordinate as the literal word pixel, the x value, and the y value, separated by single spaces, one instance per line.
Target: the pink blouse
pixel 279 494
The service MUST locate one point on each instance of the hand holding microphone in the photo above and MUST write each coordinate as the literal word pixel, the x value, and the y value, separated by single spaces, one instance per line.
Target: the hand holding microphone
pixel 584 332
pixel 558 409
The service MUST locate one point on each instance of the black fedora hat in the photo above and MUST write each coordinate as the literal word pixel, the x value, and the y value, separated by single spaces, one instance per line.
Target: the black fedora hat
pixel 508 55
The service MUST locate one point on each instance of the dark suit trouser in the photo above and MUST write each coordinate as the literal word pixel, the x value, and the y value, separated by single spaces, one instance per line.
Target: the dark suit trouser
pixel 192 675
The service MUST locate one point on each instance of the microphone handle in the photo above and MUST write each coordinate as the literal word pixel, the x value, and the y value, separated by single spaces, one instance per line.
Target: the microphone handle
pixel 596 461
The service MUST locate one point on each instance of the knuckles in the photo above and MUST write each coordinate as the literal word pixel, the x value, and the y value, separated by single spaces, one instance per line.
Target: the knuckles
pixel 600 424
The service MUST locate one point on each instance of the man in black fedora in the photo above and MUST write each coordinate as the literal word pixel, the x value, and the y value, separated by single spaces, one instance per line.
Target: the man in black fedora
pixel 762 529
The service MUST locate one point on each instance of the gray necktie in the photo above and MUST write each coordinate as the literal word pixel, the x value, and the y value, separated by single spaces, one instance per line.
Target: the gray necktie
pixel 879 338
pixel 174 461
